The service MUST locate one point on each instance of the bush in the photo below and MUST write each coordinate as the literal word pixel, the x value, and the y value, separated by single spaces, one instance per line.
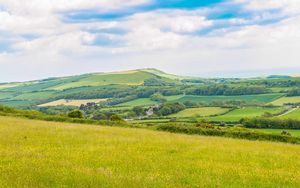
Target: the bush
pixel 231 133
pixel 271 123
pixel 75 114
pixel 158 97
pixel 99 116
pixel 285 133
pixel 116 117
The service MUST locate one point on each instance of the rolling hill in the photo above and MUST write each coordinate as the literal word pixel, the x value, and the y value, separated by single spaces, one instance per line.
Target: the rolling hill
pixel 120 84
pixel 134 77
pixel 46 90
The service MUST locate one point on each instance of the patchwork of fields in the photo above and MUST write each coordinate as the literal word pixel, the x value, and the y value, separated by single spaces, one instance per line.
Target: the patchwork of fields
pixel 265 98
pixel 200 112
pixel 45 154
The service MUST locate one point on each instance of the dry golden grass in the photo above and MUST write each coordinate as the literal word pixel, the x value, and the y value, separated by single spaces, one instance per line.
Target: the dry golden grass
pixel 71 102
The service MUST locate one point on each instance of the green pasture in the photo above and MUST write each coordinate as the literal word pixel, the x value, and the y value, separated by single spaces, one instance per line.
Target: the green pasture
pixel 43 95
pixel 284 100
pixel 128 78
pixel 293 115
pixel 237 114
pixel 264 98
pixel 200 112
pixel 139 102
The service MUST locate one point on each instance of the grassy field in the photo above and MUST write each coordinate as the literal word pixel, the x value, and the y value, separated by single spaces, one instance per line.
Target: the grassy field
pixel 265 98
pixel 295 133
pixel 128 78
pixel 35 95
pixel 5 95
pixel 44 154
pixel 138 102
pixel 237 114
pixel 173 97
pixel 148 101
pixel 71 102
pixel 200 112
pixel 9 85
pixel 293 115
pixel 17 103
pixel 284 100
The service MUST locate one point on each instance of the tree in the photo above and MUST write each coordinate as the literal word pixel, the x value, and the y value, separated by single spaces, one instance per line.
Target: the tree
pixel 75 114
pixel 158 97
pixel 99 116
pixel 139 111
pixel 116 117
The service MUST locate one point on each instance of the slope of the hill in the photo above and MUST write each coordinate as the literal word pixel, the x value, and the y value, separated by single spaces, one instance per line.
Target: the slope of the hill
pixel 30 93
pixel 45 154
pixel 134 77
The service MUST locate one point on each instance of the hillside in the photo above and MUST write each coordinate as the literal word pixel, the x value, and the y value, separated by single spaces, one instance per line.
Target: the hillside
pixel 135 88
pixel 133 77
pixel 31 93
pixel 44 154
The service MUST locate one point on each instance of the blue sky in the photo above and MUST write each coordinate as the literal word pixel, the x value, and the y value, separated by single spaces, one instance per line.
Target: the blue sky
pixel 45 38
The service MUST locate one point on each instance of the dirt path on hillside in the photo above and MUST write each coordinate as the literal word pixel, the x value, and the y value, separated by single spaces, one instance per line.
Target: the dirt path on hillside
pixel 290 111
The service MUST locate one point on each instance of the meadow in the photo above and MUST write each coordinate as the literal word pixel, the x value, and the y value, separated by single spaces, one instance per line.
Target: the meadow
pixel 237 114
pixel 264 98
pixel 285 100
pixel 42 95
pixel 5 95
pixel 293 115
pixel 127 78
pixel 139 102
pixel 45 154
pixel 18 103
pixel 147 101
pixel 200 112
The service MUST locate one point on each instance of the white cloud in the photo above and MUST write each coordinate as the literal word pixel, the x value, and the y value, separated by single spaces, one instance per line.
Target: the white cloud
pixel 287 6
pixel 163 38
pixel 173 20
pixel 42 7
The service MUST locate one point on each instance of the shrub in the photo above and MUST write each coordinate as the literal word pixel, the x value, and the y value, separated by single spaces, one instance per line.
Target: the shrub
pixel 231 133
pixel 99 116
pixel 116 117
pixel 75 114
pixel 285 133
pixel 271 123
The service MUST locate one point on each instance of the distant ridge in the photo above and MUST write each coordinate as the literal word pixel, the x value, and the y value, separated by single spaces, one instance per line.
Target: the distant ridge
pixel 127 77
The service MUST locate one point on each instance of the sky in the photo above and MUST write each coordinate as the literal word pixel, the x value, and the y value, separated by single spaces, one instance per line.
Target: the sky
pixel 206 38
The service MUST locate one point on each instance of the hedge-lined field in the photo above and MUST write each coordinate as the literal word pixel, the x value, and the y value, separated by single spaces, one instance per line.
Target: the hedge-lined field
pixel 293 115
pixel 286 100
pixel 237 114
pixel 263 98
pixel 46 154
pixel 200 112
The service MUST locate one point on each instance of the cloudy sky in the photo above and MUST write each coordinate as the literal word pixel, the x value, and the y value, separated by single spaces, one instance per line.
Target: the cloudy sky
pixel 45 38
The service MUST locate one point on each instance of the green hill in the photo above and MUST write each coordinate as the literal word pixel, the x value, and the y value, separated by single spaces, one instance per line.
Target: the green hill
pixel 44 154
pixel 35 92
pixel 134 77
pixel 142 83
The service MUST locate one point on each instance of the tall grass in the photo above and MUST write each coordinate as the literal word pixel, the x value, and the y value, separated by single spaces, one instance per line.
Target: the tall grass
pixel 48 154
